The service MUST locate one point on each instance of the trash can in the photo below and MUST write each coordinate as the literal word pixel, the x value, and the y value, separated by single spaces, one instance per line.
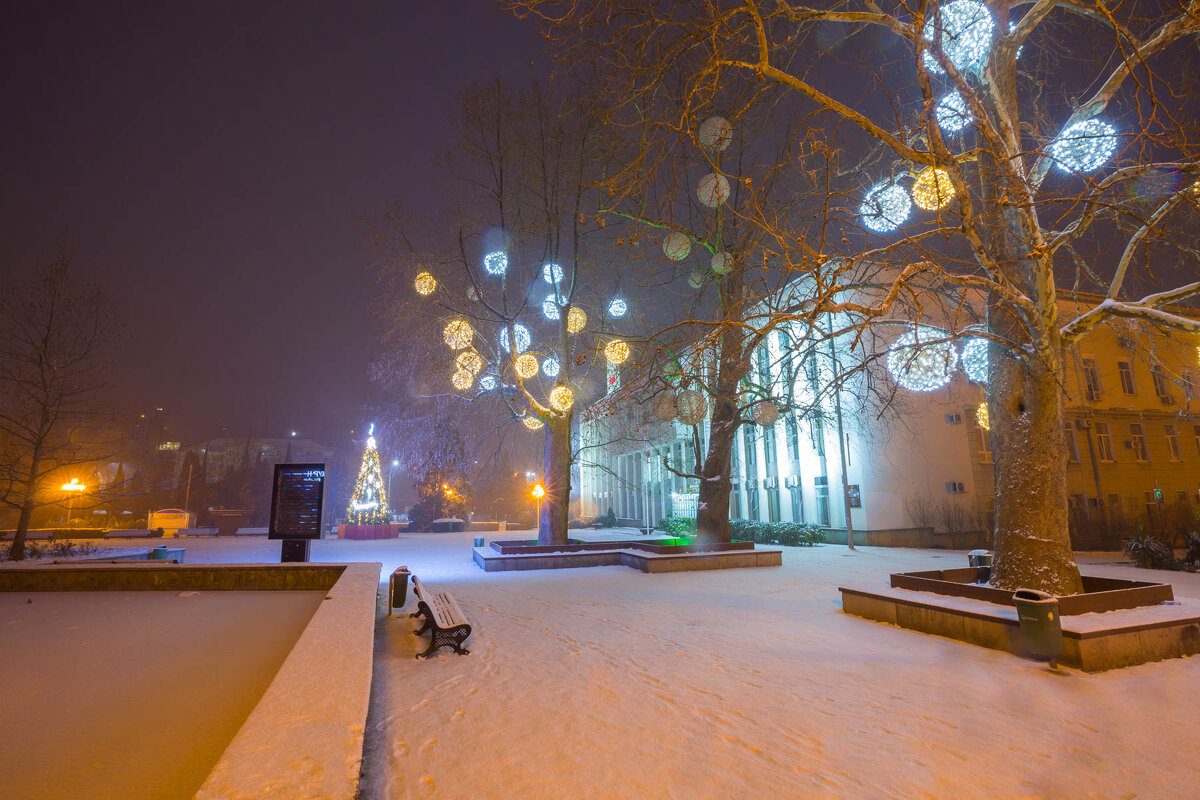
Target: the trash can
pixel 1041 631
pixel 478 541
pixel 158 553
pixel 398 589
pixel 981 560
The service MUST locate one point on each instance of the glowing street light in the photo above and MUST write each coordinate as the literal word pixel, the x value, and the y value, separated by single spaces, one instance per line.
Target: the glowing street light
pixel 538 493
pixel 71 488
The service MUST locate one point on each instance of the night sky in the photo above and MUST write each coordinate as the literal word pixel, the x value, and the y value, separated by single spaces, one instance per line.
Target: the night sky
pixel 207 161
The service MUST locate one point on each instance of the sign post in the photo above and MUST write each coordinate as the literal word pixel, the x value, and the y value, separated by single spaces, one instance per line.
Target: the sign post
pixel 297 508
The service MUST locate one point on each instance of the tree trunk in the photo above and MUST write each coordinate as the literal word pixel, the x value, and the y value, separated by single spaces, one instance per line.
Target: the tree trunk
pixel 556 477
pixel 712 511
pixel 17 551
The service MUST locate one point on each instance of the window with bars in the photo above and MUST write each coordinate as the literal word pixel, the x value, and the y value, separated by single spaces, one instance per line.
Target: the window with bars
pixel 1091 379
pixel 1104 445
pixel 1172 438
pixel 1125 370
pixel 1137 435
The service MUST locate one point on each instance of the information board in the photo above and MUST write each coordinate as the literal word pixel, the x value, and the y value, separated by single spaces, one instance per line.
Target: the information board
pixel 297 501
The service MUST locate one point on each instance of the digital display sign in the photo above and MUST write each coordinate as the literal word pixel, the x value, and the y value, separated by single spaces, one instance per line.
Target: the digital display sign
pixel 297 501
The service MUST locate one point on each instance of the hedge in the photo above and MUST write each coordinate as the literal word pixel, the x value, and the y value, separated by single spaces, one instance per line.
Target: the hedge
pixel 792 534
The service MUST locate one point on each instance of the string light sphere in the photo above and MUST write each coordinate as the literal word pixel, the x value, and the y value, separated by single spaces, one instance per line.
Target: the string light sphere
pixel 425 284
pixel 983 417
pixel 552 274
pixel 677 245
pixel 551 368
pixel 458 333
pixel 765 413
pixel 616 351
pixel 696 279
pixel 975 359
pixel 1084 146
pixel 576 319
pixel 496 262
pixel 713 189
pixel 468 360
pixel 533 423
pixel 952 114
pixel 462 379
pixel 932 189
pixel 617 308
pixel 715 134
pixel 691 406
pixel 673 371
pixel 966 36
pixel 472 294
pixel 487 383
pixel 664 406
pixel 921 367
pixel 561 399
pixel 526 365
pixel 522 335
pixel 722 263
pixel 550 309
pixel 885 207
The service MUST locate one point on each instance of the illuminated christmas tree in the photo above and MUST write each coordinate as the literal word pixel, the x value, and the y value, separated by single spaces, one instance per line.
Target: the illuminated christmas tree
pixel 368 503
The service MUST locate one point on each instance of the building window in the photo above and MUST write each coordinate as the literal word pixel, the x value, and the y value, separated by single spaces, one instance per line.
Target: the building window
pixel 1196 433
pixel 769 447
pixel 793 437
pixel 764 366
pixel 1172 442
pixel 1114 502
pixel 751 451
pixel 818 435
pixel 752 502
pixel 1104 442
pixel 735 504
pixel 1162 385
pixel 821 483
pixel 1138 437
pixel 1125 369
pixel 985 444
pixel 1189 383
pixel 797 501
pixel 1091 379
pixel 1072 443
pixel 773 505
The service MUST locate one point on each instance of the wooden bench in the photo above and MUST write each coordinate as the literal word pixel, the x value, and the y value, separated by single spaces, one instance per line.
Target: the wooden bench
pixel 443 617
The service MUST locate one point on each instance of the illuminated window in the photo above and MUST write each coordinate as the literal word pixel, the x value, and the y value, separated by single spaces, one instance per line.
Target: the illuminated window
pixel 985 444
pixel 1125 369
pixel 1138 436
pixel 1104 442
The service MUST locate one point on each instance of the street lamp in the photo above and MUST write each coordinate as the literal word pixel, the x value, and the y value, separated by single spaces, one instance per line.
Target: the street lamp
pixel 71 488
pixel 538 494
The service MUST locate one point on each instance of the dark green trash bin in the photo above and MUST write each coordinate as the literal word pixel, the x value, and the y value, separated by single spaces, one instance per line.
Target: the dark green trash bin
pixel 1041 631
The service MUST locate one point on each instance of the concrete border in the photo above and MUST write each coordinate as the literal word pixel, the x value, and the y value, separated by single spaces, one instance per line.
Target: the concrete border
pixel 489 560
pixel 151 576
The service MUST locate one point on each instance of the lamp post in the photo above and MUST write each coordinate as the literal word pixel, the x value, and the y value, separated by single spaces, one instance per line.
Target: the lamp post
pixel 71 488
pixel 538 494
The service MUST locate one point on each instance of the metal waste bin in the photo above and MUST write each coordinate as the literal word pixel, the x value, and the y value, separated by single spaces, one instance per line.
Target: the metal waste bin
pixel 398 589
pixel 478 541
pixel 158 553
pixel 981 560
pixel 1041 631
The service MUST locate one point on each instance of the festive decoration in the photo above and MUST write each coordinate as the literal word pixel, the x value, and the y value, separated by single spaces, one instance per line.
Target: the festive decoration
pixel 616 351
pixel 468 360
pixel 932 189
pixel 715 134
pixel 673 371
pixel 368 501
pixel 462 379
pixel 975 359
pixel 713 189
pixel 983 417
pixel 552 274
pixel 523 338
pixel 1084 146
pixel 696 278
pixel 458 334
pixel 617 308
pixel 550 309
pixel 496 263
pixel 576 319
pixel 966 35
pixel 765 413
pixel 677 245
pixel 531 422
pixel 691 406
pixel 487 383
pixel 472 294
pixel 551 368
pixel 952 114
pixel 722 263
pixel 885 207
pixel 921 367
pixel 561 399
pixel 526 365
pixel 664 406
pixel 425 284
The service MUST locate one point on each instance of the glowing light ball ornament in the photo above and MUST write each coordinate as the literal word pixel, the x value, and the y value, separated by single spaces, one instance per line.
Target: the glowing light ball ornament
pixel 552 274
pixel 885 207
pixel 713 189
pixel 983 417
pixel 616 351
pixel 425 284
pixel 487 383
pixel 617 308
pixel 722 263
pixel 468 360
pixel 952 114
pixel 765 413
pixel 472 294
pixel 458 333
pixel 695 279
pixel 551 368
pixel 677 245
pixel 715 134
pixel 526 365
pixel 691 406
pixel 921 367
pixel 664 406
pixel 975 359
pixel 966 36
pixel 932 189
pixel 533 423
pixel 550 308
pixel 522 335
pixel 561 399
pixel 1084 146
pixel 576 319
pixel 496 263
pixel 462 380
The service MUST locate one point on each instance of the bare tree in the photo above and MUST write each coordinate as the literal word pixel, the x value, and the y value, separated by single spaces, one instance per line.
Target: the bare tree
pixel 52 336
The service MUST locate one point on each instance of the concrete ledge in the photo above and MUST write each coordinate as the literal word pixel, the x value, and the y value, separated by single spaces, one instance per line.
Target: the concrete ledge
pixel 304 739
pixel 163 576
pixel 1091 642
pixel 489 560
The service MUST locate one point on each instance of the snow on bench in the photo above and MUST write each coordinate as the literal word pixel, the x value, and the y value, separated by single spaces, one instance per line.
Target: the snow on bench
pixel 443 617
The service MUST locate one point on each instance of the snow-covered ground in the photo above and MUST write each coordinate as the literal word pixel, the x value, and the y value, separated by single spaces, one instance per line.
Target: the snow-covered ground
pixel 611 683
